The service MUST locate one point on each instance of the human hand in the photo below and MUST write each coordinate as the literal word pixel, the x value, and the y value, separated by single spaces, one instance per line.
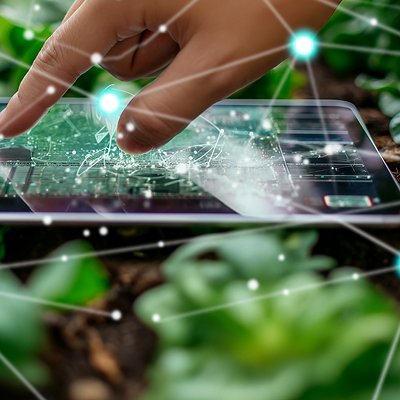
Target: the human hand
pixel 202 50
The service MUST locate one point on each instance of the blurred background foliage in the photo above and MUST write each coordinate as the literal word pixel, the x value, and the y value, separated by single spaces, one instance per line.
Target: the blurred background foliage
pixel 227 327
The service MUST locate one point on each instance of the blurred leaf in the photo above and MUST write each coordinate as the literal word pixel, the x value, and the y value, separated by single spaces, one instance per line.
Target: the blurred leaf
pixel 76 281
pixel 395 128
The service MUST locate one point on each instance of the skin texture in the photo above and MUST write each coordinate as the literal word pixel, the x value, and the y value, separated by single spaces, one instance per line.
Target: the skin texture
pixel 196 59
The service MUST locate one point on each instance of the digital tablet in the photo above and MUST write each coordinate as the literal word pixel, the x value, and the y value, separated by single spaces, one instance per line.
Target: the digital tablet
pixel 241 161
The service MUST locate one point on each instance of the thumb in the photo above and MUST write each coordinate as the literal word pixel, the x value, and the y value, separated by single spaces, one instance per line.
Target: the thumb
pixel 192 83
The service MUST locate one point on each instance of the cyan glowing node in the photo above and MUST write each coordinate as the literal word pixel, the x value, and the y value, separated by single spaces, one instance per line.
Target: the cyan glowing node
pixel 397 265
pixel 109 103
pixel 304 45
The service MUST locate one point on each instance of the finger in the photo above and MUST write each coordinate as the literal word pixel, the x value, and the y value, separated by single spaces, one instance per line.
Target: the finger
pixel 140 56
pixel 190 85
pixel 58 65
pixel 75 6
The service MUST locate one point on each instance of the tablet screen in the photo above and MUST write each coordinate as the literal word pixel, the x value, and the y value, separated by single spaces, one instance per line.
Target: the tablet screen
pixel 253 160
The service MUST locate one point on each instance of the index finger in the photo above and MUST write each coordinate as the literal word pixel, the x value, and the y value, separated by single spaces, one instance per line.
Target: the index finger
pixel 65 56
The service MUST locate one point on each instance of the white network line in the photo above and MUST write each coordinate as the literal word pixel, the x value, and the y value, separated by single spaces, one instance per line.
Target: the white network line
pixel 21 378
pixel 287 291
pixel 65 306
pixel 361 17
pixel 387 365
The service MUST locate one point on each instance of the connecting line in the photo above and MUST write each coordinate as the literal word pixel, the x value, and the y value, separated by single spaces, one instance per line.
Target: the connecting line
pixel 358 16
pixel 149 246
pixel 46 75
pixel 64 306
pixel 361 49
pixel 388 363
pixel 278 16
pixel 284 292
pixel 221 68
pixel 175 17
pixel 22 379
pixel 375 4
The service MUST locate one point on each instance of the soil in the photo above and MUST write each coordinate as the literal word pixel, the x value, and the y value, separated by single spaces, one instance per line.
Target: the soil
pixel 93 358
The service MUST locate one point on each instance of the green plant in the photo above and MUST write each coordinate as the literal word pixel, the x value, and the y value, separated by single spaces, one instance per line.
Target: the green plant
pixel 322 342
pixel 23 334
pixel 377 71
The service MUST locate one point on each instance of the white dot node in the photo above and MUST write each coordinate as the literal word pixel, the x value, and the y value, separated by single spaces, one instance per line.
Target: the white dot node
pixel 36 7
pixel 267 124
pixel 162 28
pixel 156 318
pixel 130 126
pixel 355 277
pixel 161 244
pixel 47 220
pixel 96 58
pixel 103 231
pixel 51 90
pixel 116 315
pixel 1 136
pixel 306 161
pixel 373 22
pixel 28 34
pixel 148 194
pixel 286 292
pixel 181 169
pixel 253 284
pixel 297 158
pixel 86 233
pixel 281 257
pixel 331 149
pixel 64 258
pixel 120 136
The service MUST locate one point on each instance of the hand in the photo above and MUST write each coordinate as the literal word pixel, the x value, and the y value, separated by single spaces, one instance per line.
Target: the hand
pixel 204 51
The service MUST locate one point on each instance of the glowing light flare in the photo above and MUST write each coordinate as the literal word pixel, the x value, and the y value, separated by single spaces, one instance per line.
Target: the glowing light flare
pixel 109 103
pixel 304 45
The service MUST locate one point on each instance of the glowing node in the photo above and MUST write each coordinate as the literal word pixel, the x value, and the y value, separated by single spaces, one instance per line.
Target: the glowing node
pixel 331 149
pixel 373 22
pixel 162 28
pixel 148 194
pixel 36 7
pixel 28 34
pixel 181 169
pixel 161 244
pixel 109 103
pixel 1 136
pixel 47 220
pixel 281 257
pixel 398 266
pixel 120 136
pixel 304 45
pixel 64 258
pixel 130 126
pixel 116 315
pixel 253 284
pixel 355 277
pixel 86 232
pixel 286 292
pixel 103 231
pixel 156 318
pixel 267 124
pixel 51 90
pixel 96 58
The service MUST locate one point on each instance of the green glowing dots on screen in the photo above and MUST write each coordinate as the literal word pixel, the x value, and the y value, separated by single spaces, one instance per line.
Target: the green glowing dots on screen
pixel 304 45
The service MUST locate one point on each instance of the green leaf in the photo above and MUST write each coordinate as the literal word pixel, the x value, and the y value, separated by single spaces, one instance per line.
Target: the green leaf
pixel 395 128
pixel 76 281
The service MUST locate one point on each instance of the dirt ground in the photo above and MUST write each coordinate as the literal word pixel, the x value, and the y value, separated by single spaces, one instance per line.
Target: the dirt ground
pixel 97 359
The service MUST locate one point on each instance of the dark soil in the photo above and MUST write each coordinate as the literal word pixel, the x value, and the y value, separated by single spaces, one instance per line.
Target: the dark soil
pixel 94 358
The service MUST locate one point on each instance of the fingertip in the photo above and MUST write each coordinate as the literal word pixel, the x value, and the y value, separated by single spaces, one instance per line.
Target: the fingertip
pixel 127 142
